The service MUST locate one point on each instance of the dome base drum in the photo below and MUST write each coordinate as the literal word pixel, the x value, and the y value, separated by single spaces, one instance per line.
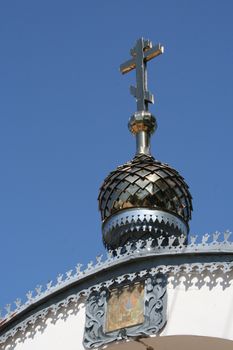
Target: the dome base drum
pixel 141 223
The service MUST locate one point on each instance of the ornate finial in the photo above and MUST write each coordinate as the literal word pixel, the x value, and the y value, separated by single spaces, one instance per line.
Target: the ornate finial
pixel 142 52
pixel 142 123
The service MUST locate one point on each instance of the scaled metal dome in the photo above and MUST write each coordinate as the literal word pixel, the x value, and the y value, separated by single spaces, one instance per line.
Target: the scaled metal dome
pixel 144 197
pixel 145 183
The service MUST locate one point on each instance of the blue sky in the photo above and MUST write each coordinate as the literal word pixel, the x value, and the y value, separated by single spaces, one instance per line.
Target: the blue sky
pixel 63 120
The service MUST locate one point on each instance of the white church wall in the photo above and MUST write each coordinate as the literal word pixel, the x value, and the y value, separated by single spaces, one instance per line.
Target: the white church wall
pixel 204 308
pixel 65 331
pixel 197 305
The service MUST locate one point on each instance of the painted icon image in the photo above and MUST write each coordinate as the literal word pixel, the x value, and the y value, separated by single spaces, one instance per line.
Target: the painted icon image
pixel 125 307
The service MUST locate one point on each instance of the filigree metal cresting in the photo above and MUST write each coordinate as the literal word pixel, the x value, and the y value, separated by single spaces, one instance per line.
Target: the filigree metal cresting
pixel 136 224
pixel 207 243
pixel 217 272
pixel 146 319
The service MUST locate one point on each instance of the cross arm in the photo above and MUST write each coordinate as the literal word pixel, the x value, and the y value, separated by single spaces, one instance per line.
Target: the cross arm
pixel 128 66
pixel 153 52
pixel 149 54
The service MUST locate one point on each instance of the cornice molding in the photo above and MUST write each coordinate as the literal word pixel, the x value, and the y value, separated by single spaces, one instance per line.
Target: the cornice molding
pixel 209 244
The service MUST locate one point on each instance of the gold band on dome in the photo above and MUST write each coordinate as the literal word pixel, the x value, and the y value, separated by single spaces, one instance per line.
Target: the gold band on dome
pixel 137 127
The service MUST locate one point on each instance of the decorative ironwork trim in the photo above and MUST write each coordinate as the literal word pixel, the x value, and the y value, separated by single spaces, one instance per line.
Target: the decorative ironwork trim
pixel 170 270
pixel 155 302
pixel 143 220
pixel 209 244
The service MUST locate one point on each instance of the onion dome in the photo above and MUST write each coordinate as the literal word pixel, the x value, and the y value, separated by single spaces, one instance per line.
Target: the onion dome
pixel 144 197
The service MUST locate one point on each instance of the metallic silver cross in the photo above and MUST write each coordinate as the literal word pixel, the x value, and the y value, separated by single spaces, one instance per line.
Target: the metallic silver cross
pixel 142 52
